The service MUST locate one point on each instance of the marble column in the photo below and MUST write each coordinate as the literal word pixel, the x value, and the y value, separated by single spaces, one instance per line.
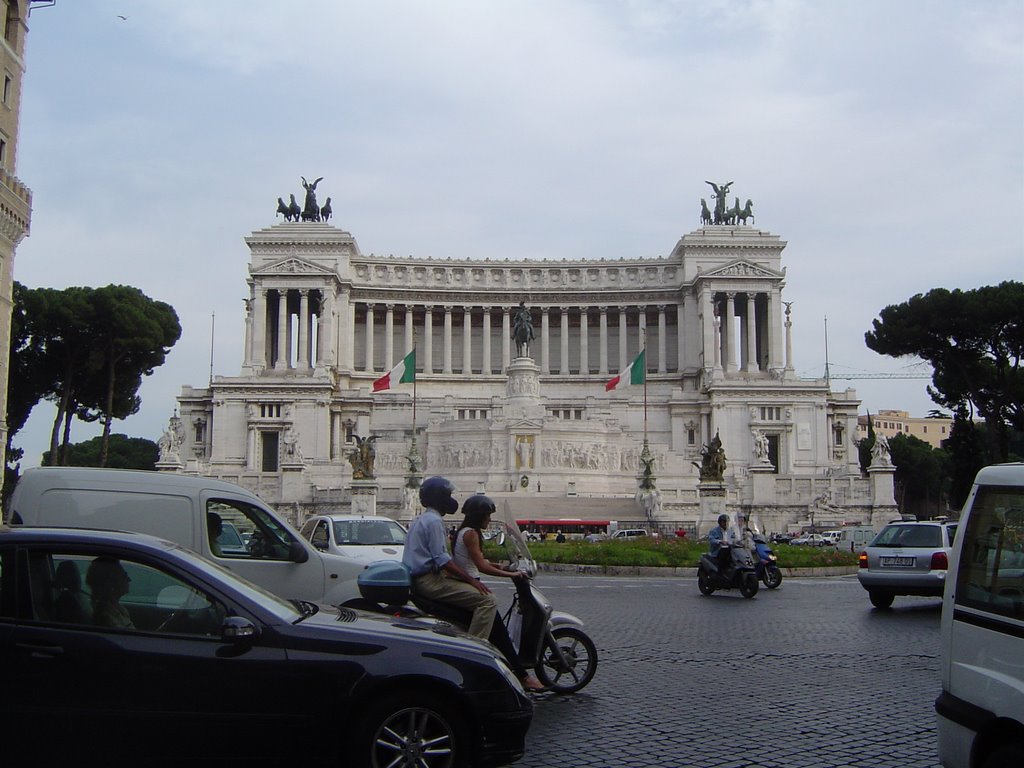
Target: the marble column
pixel 623 361
pixel 751 364
pixel 369 338
pixel 729 332
pixel 641 331
pixel 662 342
pixel 467 341
pixel 428 339
pixel 774 330
pixel 584 342
pixel 347 331
pixel 563 367
pixel 389 336
pixel 602 347
pixel 447 350
pixel 250 321
pixel 283 337
pixel 410 340
pixel 545 366
pixel 304 320
pixel 506 338
pixel 325 330
pixel 485 365
pixel 681 335
pixel 260 336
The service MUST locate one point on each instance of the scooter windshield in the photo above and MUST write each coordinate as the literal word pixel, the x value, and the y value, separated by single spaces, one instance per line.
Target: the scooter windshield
pixel 515 542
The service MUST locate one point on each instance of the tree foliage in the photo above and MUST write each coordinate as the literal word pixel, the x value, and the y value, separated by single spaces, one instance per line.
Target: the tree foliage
pixel 87 350
pixel 922 476
pixel 974 341
pixel 123 452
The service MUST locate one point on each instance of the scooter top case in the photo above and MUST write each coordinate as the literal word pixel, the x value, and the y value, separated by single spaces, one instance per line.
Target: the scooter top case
pixel 385 581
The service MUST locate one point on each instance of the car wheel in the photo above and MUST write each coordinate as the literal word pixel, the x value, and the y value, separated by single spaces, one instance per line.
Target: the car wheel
pixel 749 585
pixel 704 583
pixel 881 599
pixel 411 729
pixel 579 665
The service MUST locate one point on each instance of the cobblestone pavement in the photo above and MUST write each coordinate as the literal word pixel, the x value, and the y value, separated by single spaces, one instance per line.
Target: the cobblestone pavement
pixel 807 676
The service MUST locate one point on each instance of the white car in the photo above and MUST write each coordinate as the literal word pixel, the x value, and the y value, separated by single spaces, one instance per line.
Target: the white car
pixel 359 537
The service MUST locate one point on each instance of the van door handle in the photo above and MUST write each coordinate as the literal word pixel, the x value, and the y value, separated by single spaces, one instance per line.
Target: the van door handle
pixel 40 651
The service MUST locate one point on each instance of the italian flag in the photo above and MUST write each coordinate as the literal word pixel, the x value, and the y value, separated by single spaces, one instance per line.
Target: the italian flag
pixel 403 373
pixel 634 373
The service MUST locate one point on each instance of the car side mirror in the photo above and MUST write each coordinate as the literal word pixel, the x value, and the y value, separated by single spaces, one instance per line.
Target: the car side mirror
pixel 297 553
pixel 236 629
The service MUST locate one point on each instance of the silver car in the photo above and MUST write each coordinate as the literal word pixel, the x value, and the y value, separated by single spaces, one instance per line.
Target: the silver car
pixel 357 537
pixel 907 558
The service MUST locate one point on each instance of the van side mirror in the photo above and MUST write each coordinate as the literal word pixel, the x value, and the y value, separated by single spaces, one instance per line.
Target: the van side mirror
pixel 297 553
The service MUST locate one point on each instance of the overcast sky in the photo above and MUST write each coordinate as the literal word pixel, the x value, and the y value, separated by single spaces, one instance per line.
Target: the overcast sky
pixel 883 140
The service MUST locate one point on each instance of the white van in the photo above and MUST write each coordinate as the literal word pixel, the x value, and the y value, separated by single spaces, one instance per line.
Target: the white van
pixel 981 708
pixel 194 512
pixel 628 533
pixel 854 538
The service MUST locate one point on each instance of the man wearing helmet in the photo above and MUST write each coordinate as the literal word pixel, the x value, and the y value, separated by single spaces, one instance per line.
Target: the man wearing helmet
pixel 434 574
pixel 719 539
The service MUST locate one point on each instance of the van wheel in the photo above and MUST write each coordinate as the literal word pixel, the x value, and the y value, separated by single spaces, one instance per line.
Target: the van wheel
pixel 1005 755
pixel 881 599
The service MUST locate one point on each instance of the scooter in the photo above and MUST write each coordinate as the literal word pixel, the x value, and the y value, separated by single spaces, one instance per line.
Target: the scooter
pixel 767 567
pixel 739 574
pixel 550 642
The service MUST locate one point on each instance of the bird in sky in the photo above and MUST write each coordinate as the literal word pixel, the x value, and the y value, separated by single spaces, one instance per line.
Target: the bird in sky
pixel 122 18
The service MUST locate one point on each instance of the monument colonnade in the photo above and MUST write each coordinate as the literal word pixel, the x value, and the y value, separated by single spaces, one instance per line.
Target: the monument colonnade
pixel 306 328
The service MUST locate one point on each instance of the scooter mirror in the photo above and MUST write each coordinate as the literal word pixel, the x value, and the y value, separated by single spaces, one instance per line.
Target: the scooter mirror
pixel 501 539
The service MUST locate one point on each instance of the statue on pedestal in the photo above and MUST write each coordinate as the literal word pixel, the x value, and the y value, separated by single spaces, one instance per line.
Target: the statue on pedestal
pixel 712 465
pixel 522 330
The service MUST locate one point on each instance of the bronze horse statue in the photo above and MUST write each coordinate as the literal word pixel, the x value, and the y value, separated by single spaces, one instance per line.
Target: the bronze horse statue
pixel 294 210
pixel 325 210
pixel 705 213
pixel 522 330
pixel 747 212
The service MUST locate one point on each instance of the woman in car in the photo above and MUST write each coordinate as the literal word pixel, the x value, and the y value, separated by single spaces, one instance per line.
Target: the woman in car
pixel 108 581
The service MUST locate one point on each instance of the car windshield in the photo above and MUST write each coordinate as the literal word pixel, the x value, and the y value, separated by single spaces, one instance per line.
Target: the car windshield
pixel 909 536
pixel 368 532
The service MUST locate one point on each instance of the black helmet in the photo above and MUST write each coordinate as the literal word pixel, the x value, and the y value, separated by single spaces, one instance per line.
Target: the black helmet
pixel 723 519
pixel 436 493
pixel 476 508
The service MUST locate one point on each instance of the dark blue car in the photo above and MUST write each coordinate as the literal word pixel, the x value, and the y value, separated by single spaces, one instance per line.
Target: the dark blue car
pixel 125 649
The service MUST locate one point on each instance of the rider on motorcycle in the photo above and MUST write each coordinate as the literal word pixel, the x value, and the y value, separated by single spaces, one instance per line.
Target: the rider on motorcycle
pixel 435 575
pixel 720 539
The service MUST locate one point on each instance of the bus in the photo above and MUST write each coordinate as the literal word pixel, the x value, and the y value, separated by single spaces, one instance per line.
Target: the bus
pixel 572 528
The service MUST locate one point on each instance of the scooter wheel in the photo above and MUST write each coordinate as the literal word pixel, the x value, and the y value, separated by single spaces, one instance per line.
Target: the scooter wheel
pixel 748 587
pixel 772 577
pixel 568 661
pixel 704 583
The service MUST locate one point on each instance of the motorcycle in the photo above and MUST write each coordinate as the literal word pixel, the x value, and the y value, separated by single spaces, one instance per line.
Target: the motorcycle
pixel 551 643
pixel 767 566
pixel 739 574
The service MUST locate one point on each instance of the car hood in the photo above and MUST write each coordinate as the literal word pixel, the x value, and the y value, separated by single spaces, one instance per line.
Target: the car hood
pixel 378 628
pixel 370 553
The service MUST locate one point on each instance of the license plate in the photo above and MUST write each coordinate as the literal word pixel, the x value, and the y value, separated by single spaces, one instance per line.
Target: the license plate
pixel 898 562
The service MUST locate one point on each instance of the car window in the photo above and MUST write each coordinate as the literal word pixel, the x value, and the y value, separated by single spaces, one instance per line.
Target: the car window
pixel 264 537
pixel 991 572
pixel 7 582
pixel 321 537
pixel 909 536
pixel 368 532
pixel 103 592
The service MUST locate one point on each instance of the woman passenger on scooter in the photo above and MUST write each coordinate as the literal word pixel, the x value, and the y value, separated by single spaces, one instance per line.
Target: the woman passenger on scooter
pixel 468 554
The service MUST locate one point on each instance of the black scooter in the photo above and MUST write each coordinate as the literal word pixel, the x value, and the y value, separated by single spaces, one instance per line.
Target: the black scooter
pixel 551 643
pixel 738 574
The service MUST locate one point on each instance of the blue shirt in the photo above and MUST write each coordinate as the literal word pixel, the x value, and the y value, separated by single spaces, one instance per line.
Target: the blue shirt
pixel 426 546
pixel 716 539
